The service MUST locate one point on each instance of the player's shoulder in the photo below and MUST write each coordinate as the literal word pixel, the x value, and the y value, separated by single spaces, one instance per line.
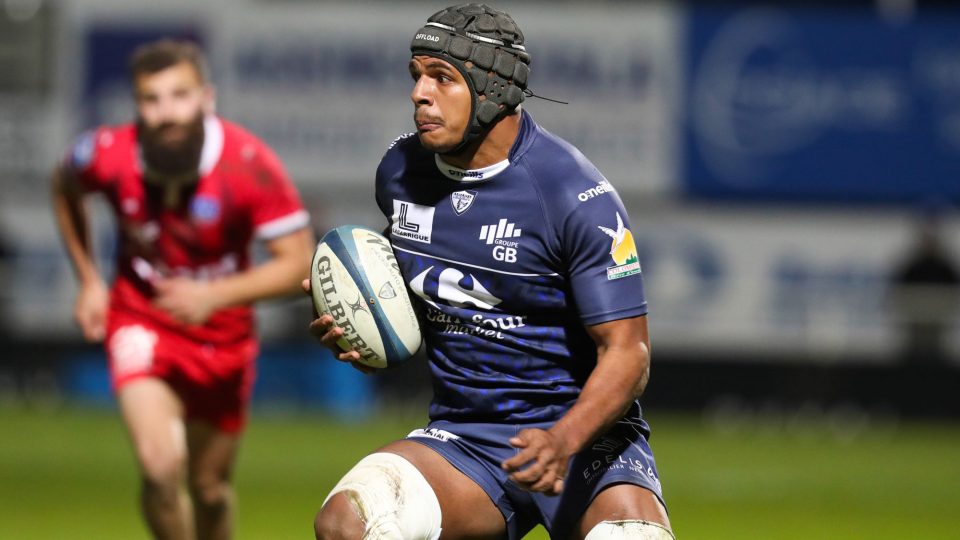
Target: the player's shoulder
pixel 404 151
pixel 104 145
pixel 406 147
pixel 244 148
pixel 238 139
pixel 564 176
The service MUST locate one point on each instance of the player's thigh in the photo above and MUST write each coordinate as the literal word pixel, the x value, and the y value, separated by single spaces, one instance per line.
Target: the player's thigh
pixel 622 502
pixel 212 454
pixel 153 414
pixel 466 510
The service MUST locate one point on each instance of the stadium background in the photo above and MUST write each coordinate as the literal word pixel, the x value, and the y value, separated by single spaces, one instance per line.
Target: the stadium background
pixel 776 160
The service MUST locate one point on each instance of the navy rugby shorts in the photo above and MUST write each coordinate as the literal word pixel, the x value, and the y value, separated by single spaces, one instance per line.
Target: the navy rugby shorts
pixel 622 456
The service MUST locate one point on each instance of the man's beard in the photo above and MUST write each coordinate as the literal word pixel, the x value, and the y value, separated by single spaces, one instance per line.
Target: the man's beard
pixel 173 158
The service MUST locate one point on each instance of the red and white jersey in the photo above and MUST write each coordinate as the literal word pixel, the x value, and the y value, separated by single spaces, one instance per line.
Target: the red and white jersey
pixel 243 193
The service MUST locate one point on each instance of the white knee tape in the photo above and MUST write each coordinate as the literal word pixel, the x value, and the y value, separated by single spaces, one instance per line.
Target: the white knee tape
pixel 392 497
pixel 632 529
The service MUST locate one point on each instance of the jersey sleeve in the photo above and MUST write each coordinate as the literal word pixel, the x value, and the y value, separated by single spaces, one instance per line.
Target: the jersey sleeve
pixel 276 207
pixel 85 157
pixel 601 261
pixel 380 190
pixel 391 167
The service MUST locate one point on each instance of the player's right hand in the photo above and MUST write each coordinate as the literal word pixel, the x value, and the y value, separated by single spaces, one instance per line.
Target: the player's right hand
pixel 322 328
pixel 90 310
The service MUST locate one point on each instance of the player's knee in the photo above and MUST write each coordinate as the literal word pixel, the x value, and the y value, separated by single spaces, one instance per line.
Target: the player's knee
pixel 210 492
pixel 338 520
pixel 387 496
pixel 629 529
pixel 162 470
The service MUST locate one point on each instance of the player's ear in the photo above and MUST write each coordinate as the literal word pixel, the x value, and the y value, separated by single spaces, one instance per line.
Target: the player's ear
pixel 209 99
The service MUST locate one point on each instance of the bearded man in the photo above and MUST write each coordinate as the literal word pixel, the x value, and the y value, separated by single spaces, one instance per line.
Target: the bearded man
pixel 190 191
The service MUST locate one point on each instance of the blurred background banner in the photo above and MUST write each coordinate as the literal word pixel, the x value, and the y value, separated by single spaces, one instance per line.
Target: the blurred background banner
pixel 820 104
pixel 327 84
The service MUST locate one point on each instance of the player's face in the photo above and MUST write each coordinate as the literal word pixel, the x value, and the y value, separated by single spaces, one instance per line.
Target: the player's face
pixel 442 102
pixel 171 102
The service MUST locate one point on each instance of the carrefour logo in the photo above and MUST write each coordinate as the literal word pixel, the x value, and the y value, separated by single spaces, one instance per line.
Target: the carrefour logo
pixel 450 291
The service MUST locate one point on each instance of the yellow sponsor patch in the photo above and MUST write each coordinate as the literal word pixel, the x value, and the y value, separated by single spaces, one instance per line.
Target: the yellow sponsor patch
pixel 623 251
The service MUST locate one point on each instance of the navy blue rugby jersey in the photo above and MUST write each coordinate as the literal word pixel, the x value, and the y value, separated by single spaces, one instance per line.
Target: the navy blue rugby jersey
pixel 508 264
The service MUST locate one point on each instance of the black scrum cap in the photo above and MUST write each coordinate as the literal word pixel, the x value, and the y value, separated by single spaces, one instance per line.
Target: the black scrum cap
pixel 486 46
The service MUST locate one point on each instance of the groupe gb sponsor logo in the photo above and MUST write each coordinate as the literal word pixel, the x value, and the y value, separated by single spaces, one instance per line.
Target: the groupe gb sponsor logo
pixel 504 250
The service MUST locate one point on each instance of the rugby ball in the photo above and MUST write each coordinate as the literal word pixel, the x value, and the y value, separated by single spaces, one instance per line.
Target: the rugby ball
pixel 355 278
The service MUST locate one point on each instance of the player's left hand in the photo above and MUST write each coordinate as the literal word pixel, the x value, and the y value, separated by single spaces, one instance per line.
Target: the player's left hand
pixel 541 463
pixel 187 300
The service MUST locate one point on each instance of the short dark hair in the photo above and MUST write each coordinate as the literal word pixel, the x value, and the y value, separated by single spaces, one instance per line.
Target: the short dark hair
pixel 159 55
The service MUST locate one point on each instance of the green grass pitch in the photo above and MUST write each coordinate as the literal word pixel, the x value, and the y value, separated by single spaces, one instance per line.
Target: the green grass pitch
pixel 69 473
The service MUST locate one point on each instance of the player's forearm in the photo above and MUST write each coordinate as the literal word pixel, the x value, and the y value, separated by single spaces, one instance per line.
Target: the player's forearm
pixel 619 378
pixel 280 275
pixel 268 280
pixel 74 228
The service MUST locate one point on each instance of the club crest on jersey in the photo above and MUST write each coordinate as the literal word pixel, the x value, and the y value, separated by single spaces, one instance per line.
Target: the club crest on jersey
pixel 205 209
pixel 83 151
pixel 623 251
pixel 412 221
pixel 461 200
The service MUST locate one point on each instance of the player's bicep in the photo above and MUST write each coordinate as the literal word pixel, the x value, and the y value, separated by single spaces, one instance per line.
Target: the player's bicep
pixel 621 334
pixel 623 353
pixel 64 183
pixel 291 244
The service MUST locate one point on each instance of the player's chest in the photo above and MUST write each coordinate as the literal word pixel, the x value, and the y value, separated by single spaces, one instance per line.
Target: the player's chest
pixel 202 219
pixel 477 227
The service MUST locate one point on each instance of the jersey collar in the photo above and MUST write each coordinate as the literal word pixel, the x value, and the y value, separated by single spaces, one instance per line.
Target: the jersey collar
pixel 470 175
pixel 212 144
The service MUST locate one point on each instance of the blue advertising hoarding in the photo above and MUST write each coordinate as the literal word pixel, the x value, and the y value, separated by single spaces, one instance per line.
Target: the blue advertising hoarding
pixel 822 104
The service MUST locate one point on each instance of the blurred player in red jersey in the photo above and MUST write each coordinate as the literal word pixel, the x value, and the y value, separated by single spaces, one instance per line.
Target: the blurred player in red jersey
pixel 190 192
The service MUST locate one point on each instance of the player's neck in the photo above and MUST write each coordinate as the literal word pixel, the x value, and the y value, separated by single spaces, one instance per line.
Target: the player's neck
pixel 492 148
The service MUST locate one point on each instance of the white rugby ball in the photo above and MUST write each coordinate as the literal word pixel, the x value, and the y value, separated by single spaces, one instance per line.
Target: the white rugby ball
pixel 355 278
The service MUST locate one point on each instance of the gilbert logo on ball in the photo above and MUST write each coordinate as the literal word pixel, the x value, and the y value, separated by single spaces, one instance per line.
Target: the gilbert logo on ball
pixel 355 278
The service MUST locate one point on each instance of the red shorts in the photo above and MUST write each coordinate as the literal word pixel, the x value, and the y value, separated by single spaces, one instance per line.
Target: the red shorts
pixel 213 381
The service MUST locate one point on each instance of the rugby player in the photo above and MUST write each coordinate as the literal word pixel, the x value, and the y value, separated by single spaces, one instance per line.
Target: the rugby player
pixel 521 257
pixel 190 192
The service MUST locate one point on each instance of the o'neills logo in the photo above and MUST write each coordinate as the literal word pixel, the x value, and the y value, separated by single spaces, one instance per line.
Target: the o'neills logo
pixel 338 310
pixel 465 174
pixel 427 37
pixel 602 187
